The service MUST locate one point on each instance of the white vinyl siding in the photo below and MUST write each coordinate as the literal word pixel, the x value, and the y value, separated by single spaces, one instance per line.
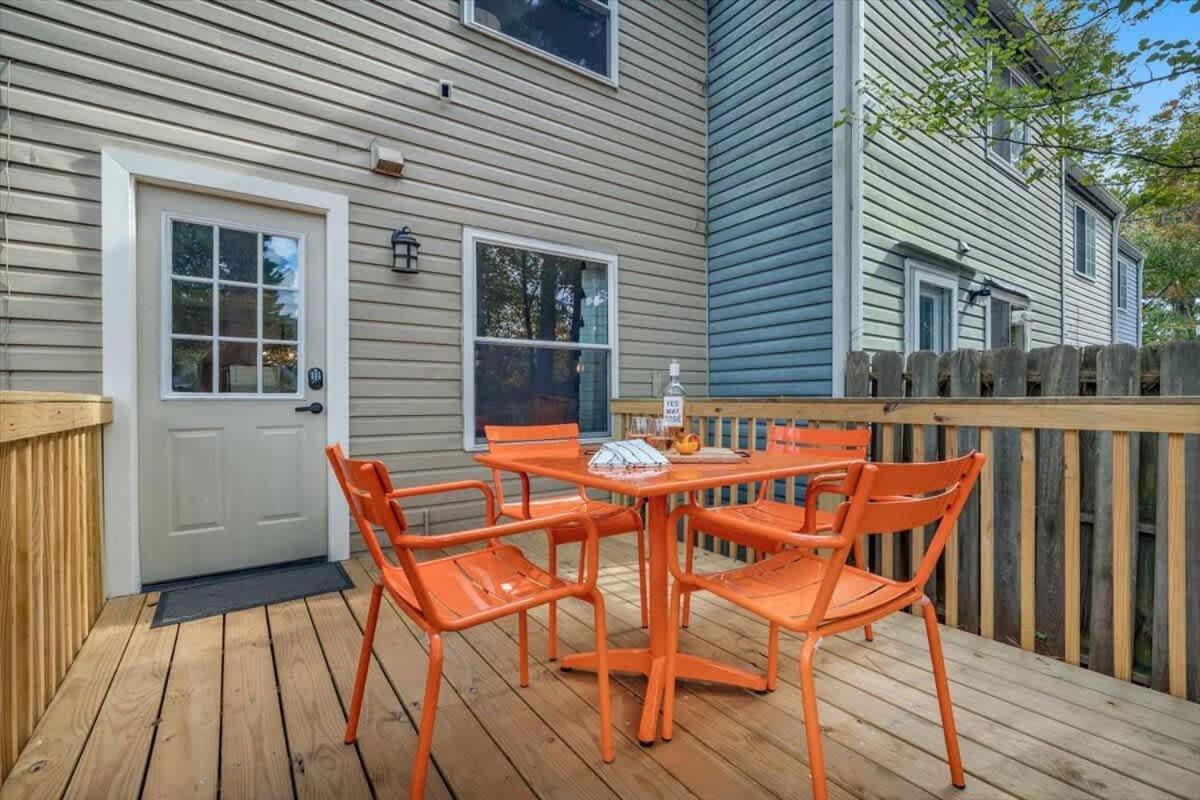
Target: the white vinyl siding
pixel 935 192
pixel 297 92
pixel 1087 299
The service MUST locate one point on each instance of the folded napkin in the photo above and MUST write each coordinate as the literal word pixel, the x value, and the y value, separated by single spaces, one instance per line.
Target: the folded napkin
pixel 628 454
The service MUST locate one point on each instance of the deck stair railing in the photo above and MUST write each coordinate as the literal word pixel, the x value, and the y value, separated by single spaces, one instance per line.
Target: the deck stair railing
pixel 51 586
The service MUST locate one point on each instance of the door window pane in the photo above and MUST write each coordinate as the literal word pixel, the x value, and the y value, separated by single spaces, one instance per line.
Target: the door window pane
pixel 191 308
pixel 238 312
pixel 238 259
pixel 281 314
pixel 279 368
pixel 238 367
pixel 523 385
pixel 524 294
pixel 191 249
pixel 933 320
pixel 191 366
pixel 281 261
pixel 569 29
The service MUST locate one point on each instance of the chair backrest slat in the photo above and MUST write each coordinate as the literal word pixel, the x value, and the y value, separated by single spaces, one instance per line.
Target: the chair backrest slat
pixel 531 441
pixel 794 438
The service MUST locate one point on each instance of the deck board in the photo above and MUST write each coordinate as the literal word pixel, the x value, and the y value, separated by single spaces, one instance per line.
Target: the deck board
pixel 147 711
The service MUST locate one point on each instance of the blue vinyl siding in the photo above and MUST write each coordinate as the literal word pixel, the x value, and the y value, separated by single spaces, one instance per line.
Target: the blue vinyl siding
pixel 770 162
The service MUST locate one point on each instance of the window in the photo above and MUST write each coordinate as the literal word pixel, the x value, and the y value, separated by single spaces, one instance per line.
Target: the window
pixel 579 33
pixel 540 332
pixel 1007 137
pixel 1085 242
pixel 931 316
pixel 1007 322
pixel 231 310
pixel 1124 271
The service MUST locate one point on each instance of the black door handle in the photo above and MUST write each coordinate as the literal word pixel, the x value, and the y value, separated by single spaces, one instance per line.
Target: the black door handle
pixel 312 408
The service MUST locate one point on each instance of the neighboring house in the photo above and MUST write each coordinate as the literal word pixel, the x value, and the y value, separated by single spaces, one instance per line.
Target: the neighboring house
pixel 820 243
pixel 558 196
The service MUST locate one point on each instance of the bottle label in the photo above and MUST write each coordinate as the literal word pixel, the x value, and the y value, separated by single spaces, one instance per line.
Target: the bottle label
pixel 672 411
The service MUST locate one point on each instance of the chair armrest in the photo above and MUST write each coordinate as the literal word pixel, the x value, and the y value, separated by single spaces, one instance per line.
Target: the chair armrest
pixel 446 541
pixel 829 483
pixel 799 540
pixel 489 498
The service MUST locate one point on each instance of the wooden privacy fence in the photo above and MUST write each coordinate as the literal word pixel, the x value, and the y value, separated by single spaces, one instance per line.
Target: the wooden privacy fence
pixel 1032 563
pixel 50 549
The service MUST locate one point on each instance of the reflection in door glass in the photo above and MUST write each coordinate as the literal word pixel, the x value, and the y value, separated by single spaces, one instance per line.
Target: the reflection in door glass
pixel 281 261
pixel 191 249
pixel 238 259
pixel 191 307
pixel 191 366
pixel 239 306
pixel 238 371
pixel 281 311
pixel 279 368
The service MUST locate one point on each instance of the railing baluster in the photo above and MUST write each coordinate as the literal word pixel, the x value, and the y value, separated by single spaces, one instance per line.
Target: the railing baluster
pixel 1176 566
pixel 1122 567
pixel 1072 564
pixel 987 539
pixel 1028 538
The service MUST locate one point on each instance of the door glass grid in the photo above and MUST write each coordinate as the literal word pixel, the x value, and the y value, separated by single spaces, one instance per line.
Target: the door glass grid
pixel 234 311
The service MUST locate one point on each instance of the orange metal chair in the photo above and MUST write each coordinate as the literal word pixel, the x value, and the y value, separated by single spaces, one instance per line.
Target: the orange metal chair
pixel 800 591
pixel 562 440
pixel 726 522
pixel 462 590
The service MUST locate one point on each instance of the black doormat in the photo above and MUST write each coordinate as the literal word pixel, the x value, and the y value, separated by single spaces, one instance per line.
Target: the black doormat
pixel 260 588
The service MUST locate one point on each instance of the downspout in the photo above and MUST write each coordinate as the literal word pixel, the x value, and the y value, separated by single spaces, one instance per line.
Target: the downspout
pixel 1062 250
pixel 1114 254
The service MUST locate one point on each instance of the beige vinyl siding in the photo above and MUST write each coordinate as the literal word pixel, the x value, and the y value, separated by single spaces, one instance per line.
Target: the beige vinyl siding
pixel 296 91
pixel 934 192
pixel 1088 301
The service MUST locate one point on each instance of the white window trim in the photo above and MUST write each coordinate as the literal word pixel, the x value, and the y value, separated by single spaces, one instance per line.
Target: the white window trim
pixel 1095 216
pixel 1006 166
pixel 1013 299
pixel 471 237
pixel 613 8
pixel 166 337
pixel 120 171
pixel 916 273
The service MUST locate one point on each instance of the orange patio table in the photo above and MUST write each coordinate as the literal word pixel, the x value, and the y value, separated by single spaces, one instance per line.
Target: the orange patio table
pixel 656 488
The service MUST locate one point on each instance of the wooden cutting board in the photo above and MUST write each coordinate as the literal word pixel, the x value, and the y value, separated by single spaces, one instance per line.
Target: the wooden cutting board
pixel 708 455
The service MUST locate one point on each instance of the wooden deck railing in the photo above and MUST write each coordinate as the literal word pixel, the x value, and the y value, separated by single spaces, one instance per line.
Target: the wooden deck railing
pixel 989 578
pixel 50 549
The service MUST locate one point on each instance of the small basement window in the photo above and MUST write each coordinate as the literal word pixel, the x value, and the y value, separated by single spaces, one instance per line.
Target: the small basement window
pixel 539 329
pixel 581 34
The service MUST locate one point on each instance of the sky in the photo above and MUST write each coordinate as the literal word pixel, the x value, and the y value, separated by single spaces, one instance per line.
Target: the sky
pixel 1172 21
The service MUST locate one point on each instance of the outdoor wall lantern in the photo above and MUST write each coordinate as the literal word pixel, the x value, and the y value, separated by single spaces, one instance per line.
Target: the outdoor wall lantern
pixel 404 251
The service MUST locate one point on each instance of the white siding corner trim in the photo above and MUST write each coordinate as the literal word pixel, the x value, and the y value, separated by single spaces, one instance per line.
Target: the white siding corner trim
pixel 847 188
pixel 472 236
pixel 120 170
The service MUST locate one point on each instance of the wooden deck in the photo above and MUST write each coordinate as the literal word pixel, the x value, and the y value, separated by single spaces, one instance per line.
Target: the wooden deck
pixel 252 705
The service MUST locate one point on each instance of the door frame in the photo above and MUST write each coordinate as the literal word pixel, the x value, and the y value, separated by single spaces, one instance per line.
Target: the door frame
pixel 120 172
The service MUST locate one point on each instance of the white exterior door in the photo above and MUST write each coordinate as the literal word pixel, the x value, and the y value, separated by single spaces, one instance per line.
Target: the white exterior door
pixel 231 334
